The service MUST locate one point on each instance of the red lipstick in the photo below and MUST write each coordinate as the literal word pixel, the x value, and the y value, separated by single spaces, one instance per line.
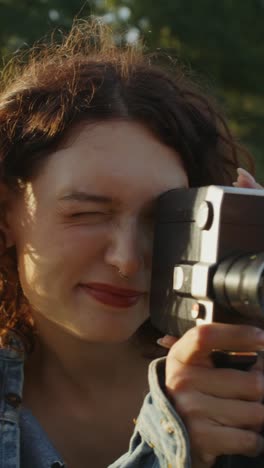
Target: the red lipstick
pixel 111 295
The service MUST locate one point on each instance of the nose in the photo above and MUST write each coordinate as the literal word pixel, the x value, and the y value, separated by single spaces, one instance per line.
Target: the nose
pixel 129 249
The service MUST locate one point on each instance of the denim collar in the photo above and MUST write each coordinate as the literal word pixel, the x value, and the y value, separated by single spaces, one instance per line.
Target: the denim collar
pixel 36 449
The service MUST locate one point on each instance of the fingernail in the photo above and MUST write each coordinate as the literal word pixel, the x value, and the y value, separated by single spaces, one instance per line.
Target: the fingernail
pixel 245 173
pixel 162 342
pixel 166 341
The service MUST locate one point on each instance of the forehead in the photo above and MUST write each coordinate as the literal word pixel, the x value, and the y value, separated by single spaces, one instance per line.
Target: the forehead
pixel 112 157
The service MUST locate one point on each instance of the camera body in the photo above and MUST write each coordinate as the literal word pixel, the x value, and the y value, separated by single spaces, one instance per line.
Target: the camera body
pixel 208 258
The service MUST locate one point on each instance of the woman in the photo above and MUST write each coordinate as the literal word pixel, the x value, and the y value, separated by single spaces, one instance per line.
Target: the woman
pixel 90 136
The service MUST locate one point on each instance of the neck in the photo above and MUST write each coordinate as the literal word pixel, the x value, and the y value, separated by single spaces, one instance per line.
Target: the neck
pixel 85 386
pixel 61 359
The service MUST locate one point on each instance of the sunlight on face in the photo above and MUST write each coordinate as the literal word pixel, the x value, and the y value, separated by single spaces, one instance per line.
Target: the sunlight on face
pixel 29 208
pixel 86 216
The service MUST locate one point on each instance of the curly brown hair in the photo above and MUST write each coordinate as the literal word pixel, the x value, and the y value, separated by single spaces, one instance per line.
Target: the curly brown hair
pixel 87 77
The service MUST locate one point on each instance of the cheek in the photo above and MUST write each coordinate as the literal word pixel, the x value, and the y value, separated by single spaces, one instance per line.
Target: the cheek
pixel 37 277
pixel 48 264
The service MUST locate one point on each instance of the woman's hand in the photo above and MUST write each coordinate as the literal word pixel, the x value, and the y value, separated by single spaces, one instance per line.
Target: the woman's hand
pixel 221 408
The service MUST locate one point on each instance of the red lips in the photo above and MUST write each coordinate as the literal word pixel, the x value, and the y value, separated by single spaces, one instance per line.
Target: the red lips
pixel 111 295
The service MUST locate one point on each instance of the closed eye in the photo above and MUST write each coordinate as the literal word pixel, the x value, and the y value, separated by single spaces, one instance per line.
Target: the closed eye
pixel 88 217
pixel 87 213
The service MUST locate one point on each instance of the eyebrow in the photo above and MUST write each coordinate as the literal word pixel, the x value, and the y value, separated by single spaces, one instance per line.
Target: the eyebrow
pixel 85 197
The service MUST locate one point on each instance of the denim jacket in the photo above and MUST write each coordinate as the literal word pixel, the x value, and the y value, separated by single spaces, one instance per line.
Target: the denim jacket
pixel 159 440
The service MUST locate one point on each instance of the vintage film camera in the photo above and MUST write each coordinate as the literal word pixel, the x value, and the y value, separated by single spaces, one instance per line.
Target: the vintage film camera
pixel 208 258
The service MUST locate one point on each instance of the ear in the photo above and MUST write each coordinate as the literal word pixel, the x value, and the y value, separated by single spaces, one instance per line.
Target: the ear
pixel 7 238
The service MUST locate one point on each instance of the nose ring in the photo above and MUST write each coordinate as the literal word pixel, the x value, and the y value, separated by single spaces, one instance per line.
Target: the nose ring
pixel 122 275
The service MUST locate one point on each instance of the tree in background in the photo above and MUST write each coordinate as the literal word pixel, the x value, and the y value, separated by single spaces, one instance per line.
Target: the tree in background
pixel 221 40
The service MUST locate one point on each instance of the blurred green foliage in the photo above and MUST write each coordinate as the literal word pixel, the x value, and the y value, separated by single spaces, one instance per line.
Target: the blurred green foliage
pixel 222 41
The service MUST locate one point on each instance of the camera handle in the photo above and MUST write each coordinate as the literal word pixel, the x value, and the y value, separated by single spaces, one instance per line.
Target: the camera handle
pixel 234 360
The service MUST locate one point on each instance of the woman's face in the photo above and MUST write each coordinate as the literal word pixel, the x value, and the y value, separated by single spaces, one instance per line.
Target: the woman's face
pixel 86 216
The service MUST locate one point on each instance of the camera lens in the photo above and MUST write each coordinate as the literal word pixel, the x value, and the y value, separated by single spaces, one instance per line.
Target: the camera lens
pixel 238 283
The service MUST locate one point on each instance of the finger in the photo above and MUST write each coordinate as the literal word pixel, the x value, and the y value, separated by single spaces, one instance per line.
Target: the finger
pixel 222 412
pixel 167 341
pixel 248 386
pixel 216 441
pixel 246 180
pixel 195 346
